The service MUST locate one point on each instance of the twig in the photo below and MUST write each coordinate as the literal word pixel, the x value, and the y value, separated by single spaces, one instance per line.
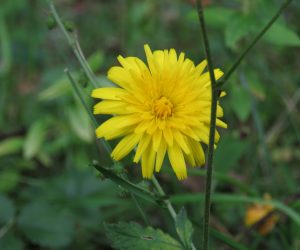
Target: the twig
pixel 80 96
pixel 74 45
pixel 252 44
pixel 213 117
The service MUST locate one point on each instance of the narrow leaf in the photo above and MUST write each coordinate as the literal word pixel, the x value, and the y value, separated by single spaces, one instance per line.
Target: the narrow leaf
pixel 108 173
pixel 282 35
pixel 34 139
pixel 131 236
pixel 11 145
pixel 184 228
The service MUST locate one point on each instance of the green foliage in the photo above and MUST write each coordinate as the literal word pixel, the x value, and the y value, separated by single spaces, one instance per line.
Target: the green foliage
pixel 125 236
pixel 35 138
pixel 11 242
pixel 7 209
pixel 232 149
pixel 45 225
pixel 240 102
pixel 135 189
pixel 184 228
pixel 280 34
pixel 50 195
pixel 11 146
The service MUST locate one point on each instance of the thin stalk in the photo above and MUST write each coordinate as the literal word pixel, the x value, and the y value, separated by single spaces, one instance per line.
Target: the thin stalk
pixel 81 98
pixel 251 45
pixel 74 45
pixel 213 117
pixel 106 145
pixel 133 197
pixel 167 202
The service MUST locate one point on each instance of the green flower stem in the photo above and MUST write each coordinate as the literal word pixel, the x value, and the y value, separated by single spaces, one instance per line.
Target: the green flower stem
pixel 167 202
pixel 74 44
pixel 162 193
pixel 255 40
pixel 80 96
pixel 213 117
pixel 106 145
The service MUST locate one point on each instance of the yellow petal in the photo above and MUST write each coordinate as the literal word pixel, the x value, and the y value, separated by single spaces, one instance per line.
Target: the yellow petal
pixel 125 146
pixel 121 77
pixel 157 139
pixel 180 139
pixel 205 78
pixel 108 93
pixel 112 107
pixel 143 144
pixel 177 161
pixel 197 152
pixel 168 136
pixel 190 160
pixel 117 126
pixel 132 63
pixel 160 155
pixel 148 159
pixel 201 66
pixel 221 124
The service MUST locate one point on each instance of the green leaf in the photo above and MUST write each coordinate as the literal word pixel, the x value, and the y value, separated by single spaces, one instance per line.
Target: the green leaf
pixel 240 101
pixel 45 225
pixel 96 60
pixel 238 27
pixel 35 138
pixel 9 179
pixel 80 123
pixel 60 87
pixel 7 209
pixel 11 242
pixel 184 228
pixel 6 51
pixel 11 146
pixel 131 187
pixel 257 88
pixel 131 236
pixel 217 16
pixel 279 34
pixel 231 149
pixel 232 198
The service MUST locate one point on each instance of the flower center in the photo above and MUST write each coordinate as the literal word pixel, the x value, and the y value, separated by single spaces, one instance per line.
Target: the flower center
pixel 162 108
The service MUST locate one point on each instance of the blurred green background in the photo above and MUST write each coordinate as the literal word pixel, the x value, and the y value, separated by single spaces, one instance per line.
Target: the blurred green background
pixel 50 196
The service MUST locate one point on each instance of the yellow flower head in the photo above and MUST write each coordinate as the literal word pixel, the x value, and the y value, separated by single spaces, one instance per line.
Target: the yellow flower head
pixel 158 108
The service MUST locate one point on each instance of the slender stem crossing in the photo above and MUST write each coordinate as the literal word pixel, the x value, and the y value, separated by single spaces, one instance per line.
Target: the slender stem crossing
pixel 213 117
pixel 253 43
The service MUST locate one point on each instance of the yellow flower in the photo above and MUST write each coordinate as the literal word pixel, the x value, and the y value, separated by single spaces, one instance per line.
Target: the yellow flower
pixel 263 215
pixel 162 108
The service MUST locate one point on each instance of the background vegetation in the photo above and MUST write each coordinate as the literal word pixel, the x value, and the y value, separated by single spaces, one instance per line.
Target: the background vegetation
pixel 50 195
